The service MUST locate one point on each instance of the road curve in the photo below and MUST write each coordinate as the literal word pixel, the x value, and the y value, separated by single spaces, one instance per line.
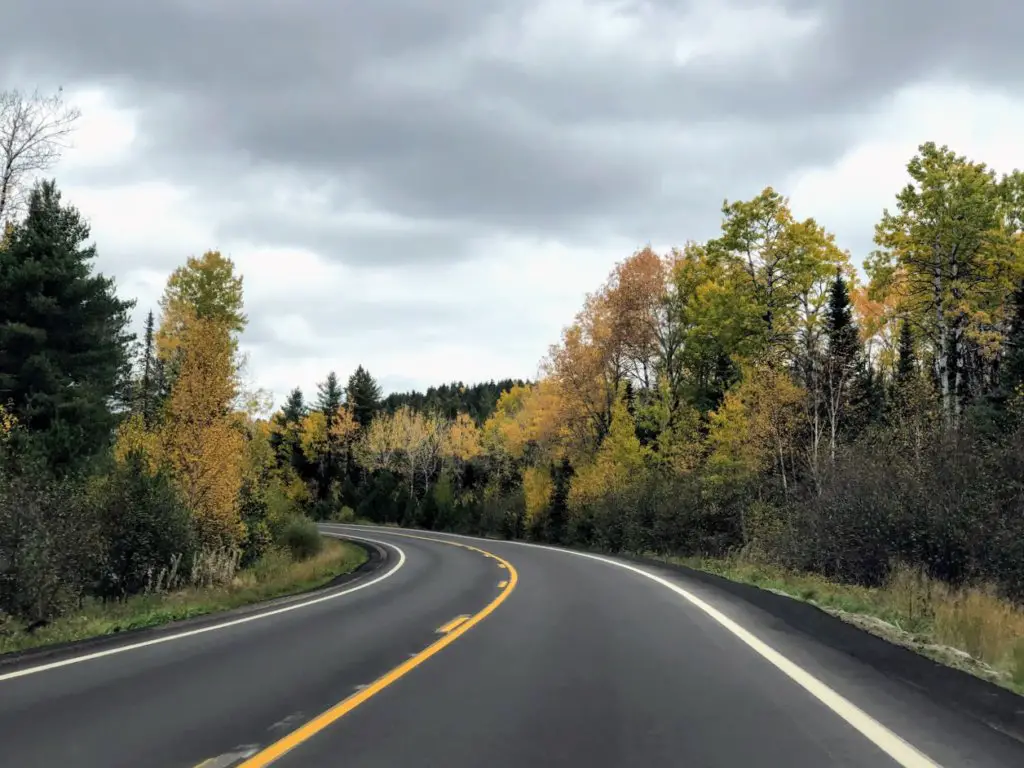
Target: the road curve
pixel 464 653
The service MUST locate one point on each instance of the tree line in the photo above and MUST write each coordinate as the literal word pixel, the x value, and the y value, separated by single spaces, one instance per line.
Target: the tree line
pixel 752 393
pixel 755 394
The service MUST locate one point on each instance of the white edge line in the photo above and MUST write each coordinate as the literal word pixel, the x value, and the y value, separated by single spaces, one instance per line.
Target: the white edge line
pixel 214 627
pixel 889 742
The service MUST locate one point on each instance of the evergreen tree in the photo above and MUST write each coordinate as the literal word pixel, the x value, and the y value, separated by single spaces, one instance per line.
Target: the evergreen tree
pixel 842 360
pixel 1011 373
pixel 329 398
pixel 906 358
pixel 285 438
pixel 148 390
pixel 363 396
pixel 558 509
pixel 64 339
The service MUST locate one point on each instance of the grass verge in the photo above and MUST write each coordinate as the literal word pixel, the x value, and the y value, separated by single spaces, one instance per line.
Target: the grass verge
pixel 971 629
pixel 275 575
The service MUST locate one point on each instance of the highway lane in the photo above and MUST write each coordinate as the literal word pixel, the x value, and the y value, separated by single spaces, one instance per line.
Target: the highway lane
pixel 235 689
pixel 570 660
pixel 594 664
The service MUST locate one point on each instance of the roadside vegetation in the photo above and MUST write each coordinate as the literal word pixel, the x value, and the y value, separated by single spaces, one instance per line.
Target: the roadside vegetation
pixel 275 574
pixel 752 404
pixel 140 481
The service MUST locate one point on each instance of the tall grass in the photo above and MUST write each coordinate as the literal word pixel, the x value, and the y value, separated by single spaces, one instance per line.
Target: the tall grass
pixel 206 586
pixel 910 608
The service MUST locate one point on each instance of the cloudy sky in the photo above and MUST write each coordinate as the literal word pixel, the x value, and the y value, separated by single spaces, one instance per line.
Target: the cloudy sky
pixel 429 188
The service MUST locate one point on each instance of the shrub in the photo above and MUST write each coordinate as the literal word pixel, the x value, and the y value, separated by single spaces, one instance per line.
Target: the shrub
pixel 300 537
pixel 51 546
pixel 145 527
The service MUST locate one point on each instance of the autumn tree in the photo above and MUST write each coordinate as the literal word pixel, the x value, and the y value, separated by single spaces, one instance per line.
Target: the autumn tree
pixel 461 442
pixel 620 461
pixel 35 129
pixel 951 236
pixel 204 288
pixel 201 440
pixel 755 428
pixel 787 266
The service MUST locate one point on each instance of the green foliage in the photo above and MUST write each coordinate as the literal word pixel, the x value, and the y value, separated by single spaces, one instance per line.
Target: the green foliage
pixel 299 535
pixel 63 333
pixel 449 400
pixel 363 396
pixel 144 524
pixel 51 544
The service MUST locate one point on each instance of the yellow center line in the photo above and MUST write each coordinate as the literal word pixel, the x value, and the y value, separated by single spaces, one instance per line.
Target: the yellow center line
pixel 305 732
pixel 446 628
pixel 501 584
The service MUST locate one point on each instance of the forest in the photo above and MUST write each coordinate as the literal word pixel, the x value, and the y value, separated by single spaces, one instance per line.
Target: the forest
pixel 755 396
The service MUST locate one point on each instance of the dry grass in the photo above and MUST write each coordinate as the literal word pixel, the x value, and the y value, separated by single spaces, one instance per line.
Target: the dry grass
pixel 972 629
pixel 274 575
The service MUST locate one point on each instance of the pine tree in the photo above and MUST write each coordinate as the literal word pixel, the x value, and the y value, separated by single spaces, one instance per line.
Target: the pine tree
pixel 64 339
pixel 285 437
pixel 558 510
pixel 148 392
pixel 906 358
pixel 363 396
pixel 1012 366
pixel 329 398
pixel 842 359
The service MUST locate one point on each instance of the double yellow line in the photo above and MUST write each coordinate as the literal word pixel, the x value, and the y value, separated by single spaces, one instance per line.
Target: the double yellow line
pixel 339 710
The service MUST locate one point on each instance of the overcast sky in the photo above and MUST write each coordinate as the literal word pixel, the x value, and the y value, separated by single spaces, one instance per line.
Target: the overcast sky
pixel 429 188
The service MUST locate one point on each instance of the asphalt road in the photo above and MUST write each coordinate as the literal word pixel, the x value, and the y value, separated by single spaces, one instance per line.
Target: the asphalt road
pixel 452 656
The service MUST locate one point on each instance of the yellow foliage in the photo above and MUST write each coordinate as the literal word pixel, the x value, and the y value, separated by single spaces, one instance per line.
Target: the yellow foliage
pixel 201 441
pixel 133 437
pixel 406 441
pixel 7 423
pixel 462 439
pixel 756 423
pixel 529 416
pixel 537 491
pixel 620 461
pixel 259 461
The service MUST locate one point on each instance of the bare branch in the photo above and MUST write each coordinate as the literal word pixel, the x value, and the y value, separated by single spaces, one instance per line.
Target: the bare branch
pixel 34 131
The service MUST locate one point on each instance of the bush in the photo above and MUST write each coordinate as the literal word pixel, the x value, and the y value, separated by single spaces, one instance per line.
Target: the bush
pixel 51 544
pixel 145 527
pixel 300 537
pixel 344 515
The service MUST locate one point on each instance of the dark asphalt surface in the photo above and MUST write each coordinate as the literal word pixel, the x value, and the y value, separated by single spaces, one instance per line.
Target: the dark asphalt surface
pixel 584 664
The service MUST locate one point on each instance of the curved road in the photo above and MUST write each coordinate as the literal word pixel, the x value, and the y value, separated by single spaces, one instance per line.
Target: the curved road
pixel 465 653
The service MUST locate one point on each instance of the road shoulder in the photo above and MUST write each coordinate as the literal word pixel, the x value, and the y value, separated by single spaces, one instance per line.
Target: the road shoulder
pixel 377 558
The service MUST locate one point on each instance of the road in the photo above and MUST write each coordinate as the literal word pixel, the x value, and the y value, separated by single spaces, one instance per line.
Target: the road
pixel 463 653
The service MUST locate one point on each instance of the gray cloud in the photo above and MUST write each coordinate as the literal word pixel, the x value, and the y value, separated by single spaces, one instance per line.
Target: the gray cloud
pixel 455 121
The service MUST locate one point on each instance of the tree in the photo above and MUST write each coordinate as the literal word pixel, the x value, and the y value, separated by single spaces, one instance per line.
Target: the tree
pixel 201 441
pixel 205 288
pixel 842 357
pixel 787 265
pixel 950 237
pixel 363 395
pixel 329 397
pixel 64 339
pixel 34 130
pixel 557 518
pixel 148 390
pixel 906 357
pixel 286 433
